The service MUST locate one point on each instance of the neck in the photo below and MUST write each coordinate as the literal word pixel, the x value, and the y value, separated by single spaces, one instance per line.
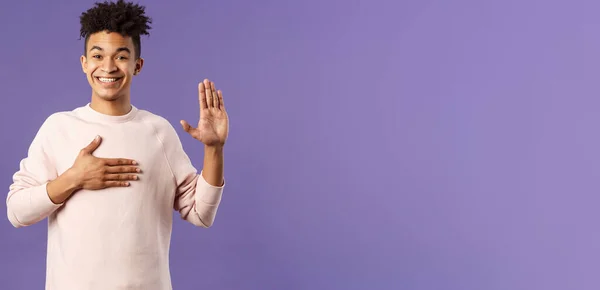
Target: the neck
pixel 118 107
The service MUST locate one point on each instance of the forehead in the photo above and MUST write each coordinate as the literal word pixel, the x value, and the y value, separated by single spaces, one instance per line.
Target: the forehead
pixel 109 41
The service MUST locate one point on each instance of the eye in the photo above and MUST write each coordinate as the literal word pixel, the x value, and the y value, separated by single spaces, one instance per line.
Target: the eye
pixel 96 56
pixel 122 57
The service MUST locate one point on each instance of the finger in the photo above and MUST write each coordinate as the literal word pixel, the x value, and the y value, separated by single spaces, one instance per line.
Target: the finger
pixel 221 104
pixel 214 95
pixel 116 183
pixel 123 169
pixel 89 149
pixel 119 161
pixel 186 126
pixel 202 96
pixel 122 177
pixel 207 91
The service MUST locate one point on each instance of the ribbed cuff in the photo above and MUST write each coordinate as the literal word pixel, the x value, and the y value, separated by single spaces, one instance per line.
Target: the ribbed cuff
pixel 207 192
pixel 41 202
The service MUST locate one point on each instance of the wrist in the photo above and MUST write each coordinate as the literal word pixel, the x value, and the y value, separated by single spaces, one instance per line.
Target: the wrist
pixel 61 188
pixel 212 171
pixel 213 149
pixel 72 179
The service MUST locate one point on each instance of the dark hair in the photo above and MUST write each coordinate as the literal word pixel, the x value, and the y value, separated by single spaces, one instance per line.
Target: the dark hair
pixel 125 18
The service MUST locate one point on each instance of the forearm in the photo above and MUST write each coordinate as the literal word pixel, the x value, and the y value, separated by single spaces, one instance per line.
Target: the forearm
pixel 28 203
pixel 212 170
pixel 61 188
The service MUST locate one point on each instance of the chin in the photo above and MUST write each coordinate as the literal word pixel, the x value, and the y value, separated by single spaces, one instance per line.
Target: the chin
pixel 109 96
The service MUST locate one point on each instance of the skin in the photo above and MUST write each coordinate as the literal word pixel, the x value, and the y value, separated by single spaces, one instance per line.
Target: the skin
pixel 110 55
pixel 113 55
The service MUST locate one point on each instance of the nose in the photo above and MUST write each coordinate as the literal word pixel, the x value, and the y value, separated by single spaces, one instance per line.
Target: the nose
pixel 108 65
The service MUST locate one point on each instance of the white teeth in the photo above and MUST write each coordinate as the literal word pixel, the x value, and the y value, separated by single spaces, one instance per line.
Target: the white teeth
pixel 107 80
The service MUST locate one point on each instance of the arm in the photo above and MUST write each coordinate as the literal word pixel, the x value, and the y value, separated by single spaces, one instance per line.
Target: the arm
pixel 213 165
pixel 212 131
pixel 197 196
pixel 197 201
pixel 28 200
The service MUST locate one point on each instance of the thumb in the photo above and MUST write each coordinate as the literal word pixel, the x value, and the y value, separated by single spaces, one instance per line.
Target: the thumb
pixel 93 145
pixel 185 125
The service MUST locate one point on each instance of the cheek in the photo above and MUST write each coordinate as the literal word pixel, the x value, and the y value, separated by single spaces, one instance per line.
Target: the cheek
pixel 128 68
pixel 91 67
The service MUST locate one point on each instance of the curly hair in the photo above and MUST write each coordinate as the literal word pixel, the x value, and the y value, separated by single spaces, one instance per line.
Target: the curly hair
pixel 125 18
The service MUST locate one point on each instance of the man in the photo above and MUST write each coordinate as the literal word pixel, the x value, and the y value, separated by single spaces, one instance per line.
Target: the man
pixel 108 175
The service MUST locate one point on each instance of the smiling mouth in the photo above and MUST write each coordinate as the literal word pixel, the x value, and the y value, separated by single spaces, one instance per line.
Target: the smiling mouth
pixel 108 80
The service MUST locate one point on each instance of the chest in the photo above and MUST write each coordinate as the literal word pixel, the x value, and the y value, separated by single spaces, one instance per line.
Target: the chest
pixel 132 142
pixel 152 195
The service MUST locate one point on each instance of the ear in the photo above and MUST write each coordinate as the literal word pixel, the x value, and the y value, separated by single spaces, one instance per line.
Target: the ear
pixel 84 63
pixel 139 63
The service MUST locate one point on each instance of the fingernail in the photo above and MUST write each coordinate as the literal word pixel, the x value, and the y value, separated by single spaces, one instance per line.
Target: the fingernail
pixel 134 162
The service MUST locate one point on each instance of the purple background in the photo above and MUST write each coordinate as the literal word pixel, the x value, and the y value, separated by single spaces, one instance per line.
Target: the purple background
pixel 400 145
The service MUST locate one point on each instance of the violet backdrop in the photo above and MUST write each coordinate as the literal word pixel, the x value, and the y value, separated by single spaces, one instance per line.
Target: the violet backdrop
pixel 374 144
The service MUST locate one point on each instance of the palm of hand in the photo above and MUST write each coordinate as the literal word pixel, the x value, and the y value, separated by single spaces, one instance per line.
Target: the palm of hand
pixel 213 126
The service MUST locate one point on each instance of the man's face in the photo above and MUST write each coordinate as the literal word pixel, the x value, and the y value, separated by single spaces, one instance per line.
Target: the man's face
pixel 110 64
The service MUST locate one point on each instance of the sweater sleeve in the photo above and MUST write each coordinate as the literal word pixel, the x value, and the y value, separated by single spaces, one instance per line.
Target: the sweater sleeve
pixel 196 200
pixel 28 201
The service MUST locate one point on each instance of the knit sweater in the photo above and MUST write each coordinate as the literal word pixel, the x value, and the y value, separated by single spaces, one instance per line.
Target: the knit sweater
pixel 117 237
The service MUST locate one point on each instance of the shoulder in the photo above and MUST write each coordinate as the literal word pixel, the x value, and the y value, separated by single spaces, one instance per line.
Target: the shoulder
pixel 159 122
pixel 161 126
pixel 155 119
pixel 61 117
pixel 50 128
pixel 55 121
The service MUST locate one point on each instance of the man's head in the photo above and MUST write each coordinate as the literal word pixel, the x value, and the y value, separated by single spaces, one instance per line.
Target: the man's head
pixel 112 52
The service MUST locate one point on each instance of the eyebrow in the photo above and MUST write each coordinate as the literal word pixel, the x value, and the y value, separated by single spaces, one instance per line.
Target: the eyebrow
pixel 118 49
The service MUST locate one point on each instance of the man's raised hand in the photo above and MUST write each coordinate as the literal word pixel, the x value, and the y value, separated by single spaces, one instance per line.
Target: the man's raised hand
pixel 213 125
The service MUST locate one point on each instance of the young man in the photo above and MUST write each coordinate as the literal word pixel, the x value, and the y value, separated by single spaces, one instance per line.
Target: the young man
pixel 108 175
